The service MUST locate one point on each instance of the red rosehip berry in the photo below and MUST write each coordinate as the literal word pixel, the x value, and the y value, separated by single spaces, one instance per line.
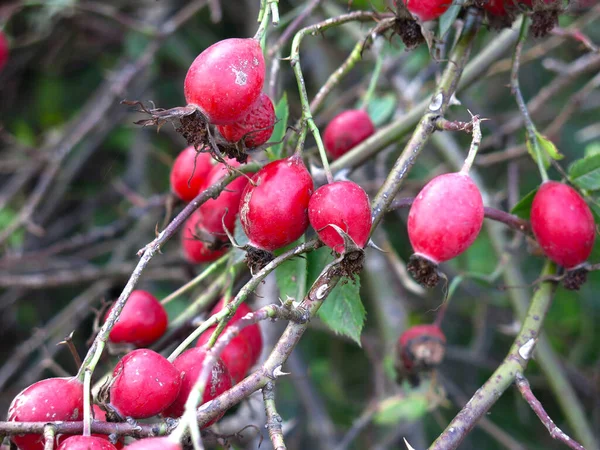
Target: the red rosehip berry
pixel 226 79
pixel 419 348
pixel 427 10
pixel 345 204
pixel 86 443
pixel 251 333
pixel 225 208
pixel 157 443
pixel 189 363
pixel 189 172
pixel 144 384
pixel 256 127
pixel 237 355
pixel 274 207
pixel 346 131
pixel 3 50
pixel 143 320
pixel 50 400
pixel 198 243
pixel 562 224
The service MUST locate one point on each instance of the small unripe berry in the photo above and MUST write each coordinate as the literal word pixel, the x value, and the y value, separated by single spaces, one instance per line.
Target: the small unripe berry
pixel 562 224
pixel 157 443
pixel 189 172
pixel 226 79
pixel 420 348
pixel 197 241
pixel 144 384
pixel 274 206
pixel 346 131
pixel 256 127
pixel 50 400
pixel 142 321
pixel 427 10
pixel 86 443
pixel 345 204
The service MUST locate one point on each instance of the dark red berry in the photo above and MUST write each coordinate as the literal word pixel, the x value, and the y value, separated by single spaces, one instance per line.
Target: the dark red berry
pixel 346 131
pixel 50 400
pixel 144 384
pixel 143 320
pixel 226 79
pixel 3 50
pixel 445 217
pixel 86 443
pixel 237 355
pixel 426 10
pixel 189 172
pixel 256 127
pixel 421 347
pixel 563 224
pixel 225 208
pixel 157 443
pixel 345 204
pixel 199 245
pixel 274 207
pixel 189 363
pixel 251 333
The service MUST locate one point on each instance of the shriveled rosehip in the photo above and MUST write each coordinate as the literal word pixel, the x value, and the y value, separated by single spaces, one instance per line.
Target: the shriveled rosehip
pixel 189 172
pixel 198 243
pixel 427 10
pixel 143 320
pixel 86 443
pixel 444 221
pixel 225 208
pixel 420 348
pixel 346 131
pixel 237 355
pixel 144 384
pixel 189 363
pixel 226 79
pixel 50 400
pixel 345 204
pixel 3 50
pixel 274 207
pixel 256 127
pixel 100 415
pixel 562 224
pixel 157 443
pixel 251 333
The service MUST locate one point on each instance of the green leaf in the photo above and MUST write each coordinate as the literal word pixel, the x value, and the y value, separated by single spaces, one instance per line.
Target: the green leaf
pixel 395 410
pixel 343 311
pixel 448 18
pixel 381 108
pixel 592 149
pixel 241 239
pixel 585 173
pixel 547 148
pixel 291 276
pixel 523 207
pixel 281 113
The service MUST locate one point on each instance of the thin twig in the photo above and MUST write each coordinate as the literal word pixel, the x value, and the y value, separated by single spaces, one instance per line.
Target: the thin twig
pixel 274 420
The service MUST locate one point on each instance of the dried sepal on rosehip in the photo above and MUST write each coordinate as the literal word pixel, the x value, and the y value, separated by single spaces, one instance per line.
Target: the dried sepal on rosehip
pixel 419 349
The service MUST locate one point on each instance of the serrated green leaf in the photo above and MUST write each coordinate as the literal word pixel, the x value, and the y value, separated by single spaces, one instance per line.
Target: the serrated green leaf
pixel 343 311
pixel 592 149
pixel 381 108
pixel 585 173
pixel 395 410
pixel 291 276
pixel 281 113
pixel 448 18
pixel 523 207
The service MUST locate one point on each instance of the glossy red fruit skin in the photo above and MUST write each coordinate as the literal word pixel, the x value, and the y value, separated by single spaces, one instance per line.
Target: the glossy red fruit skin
pixel 195 250
pixel 188 178
pixel 427 10
pixel 251 333
pixel 226 79
pixel 100 416
pixel 189 363
pixel 257 125
pixel 226 206
pixel 144 384
pixel 274 207
pixel 237 355
pixel 143 320
pixel 346 131
pixel 86 443
pixel 418 332
pixel 341 203
pixel 157 443
pixel 3 50
pixel 49 400
pixel 445 217
pixel 563 224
